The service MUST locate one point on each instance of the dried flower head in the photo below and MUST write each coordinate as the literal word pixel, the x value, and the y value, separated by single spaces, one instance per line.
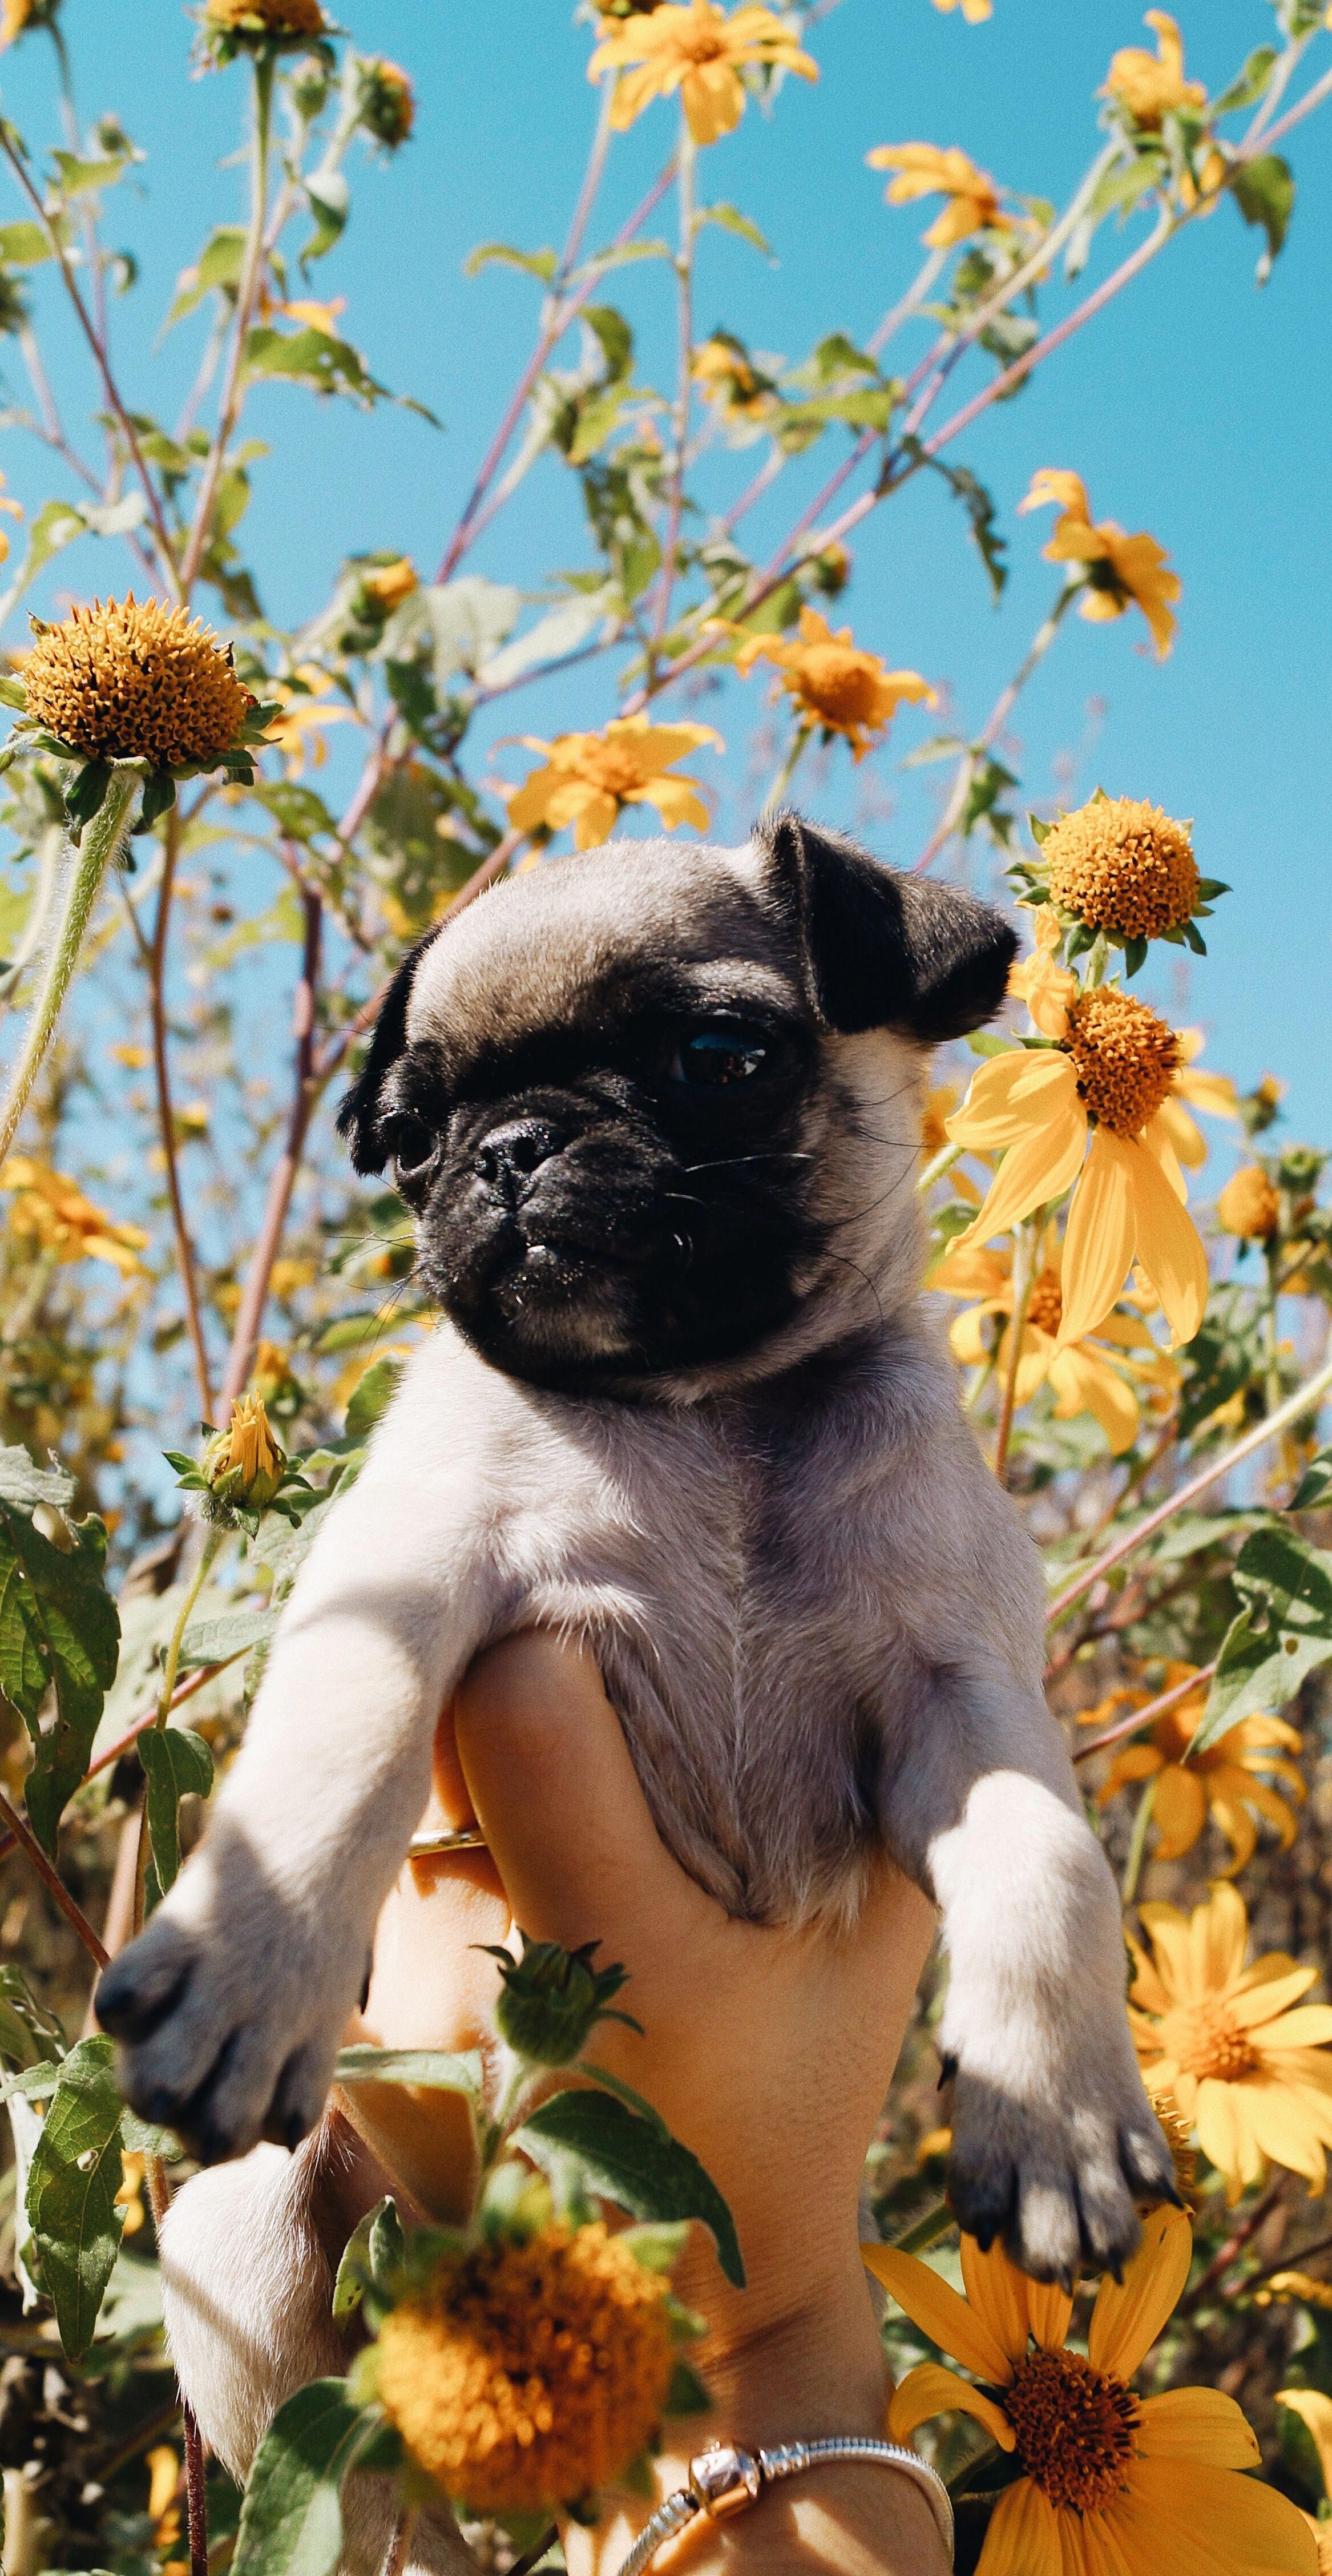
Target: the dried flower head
pixel 388 101
pixel 1125 1056
pixel 136 682
pixel 1248 1206
pixel 1122 866
pixel 529 2375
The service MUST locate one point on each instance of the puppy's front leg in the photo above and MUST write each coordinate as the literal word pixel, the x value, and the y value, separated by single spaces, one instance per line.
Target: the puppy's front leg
pixel 1053 2135
pixel 232 2003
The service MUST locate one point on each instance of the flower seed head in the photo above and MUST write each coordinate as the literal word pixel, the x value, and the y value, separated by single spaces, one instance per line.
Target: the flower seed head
pixel 1248 1205
pixel 1075 2428
pixel 280 18
pixel 131 682
pixel 1126 1058
pixel 529 2375
pixel 1122 866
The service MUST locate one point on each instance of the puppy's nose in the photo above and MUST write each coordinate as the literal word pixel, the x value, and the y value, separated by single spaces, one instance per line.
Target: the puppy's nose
pixel 513 1152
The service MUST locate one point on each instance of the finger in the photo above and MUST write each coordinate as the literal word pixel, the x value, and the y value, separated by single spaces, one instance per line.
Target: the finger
pixel 545 1760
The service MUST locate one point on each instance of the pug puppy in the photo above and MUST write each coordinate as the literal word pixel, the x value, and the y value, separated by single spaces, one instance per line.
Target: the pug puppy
pixel 656 1110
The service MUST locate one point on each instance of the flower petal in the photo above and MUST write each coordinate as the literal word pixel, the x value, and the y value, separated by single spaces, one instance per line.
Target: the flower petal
pixel 1266 2002
pixel 1314 2410
pixel 1129 2314
pixel 1198 2424
pixel 1218 1934
pixel 1101 1235
pixel 1023 2537
pixel 1169 1247
pixel 939 2312
pixel 999 2295
pixel 1007 1094
pixel 1179 1812
pixel 1085 1383
pixel 1038 1169
pixel 929 2390
pixel 1244 2525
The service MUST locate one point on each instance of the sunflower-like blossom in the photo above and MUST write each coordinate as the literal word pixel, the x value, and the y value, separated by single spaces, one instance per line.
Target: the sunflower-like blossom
pixel 1109 1376
pixel 700 51
pixel 972 202
pixel 299 729
pixel 51 1211
pixel 974 11
pixel 729 380
pixel 1122 571
pixel 1246 2060
pixel 1113 2484
pixel 1224 1781
pixel 1248 1206
pixel 589 778
pixel 1151 85
pixel 1101 1108
pixel 833 683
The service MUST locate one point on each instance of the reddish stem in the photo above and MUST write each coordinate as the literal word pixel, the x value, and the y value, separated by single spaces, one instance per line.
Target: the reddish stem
pixel 283 1179
pixel 50 1875
pixel 1147 1715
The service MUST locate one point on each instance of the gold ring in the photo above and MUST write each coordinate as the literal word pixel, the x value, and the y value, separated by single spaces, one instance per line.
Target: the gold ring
pixel 446 1838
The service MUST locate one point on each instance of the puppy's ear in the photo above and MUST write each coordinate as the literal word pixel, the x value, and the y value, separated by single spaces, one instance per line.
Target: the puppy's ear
pixel 358 1118
pixel 884 950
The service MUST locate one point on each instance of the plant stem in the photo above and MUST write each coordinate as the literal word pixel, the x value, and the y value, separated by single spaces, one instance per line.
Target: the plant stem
pixel 304 1093
pixel 788 768
pixel 50 1875
pixel 185 1264
pixel 1025 1239
pixel 1221 2262
pixel 926 2231
pixel 1138 1845
pixel 1147 1715
pixel 1304 1399
pixel 686 165
pixel 102 838
pixel 195 2493
pixel 940 1163
pixel 994 724
pixel 208 1554
pixel 246 298
pixel 1271 1265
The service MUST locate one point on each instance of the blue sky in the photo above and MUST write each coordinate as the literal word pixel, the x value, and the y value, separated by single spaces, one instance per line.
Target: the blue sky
pixel 1196 407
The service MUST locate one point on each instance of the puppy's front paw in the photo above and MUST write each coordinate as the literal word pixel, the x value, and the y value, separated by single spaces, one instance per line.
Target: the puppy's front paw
pixel 228 2014
pixel 1057 2168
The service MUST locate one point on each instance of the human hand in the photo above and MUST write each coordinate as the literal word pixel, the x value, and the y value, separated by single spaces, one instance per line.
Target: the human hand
pixel 767 2052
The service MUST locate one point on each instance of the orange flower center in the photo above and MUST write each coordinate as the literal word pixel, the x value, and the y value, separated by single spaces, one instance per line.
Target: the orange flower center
pixel 1205 2039
pixel 1122 866
pixel 1045 1306
pixel 840 685
pixel 605 765
pixel 1074 2428
pixel 1126 1058
pixel 700 40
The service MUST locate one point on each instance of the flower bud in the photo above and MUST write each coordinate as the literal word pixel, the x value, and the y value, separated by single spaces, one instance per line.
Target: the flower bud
pixel 244 1464
pixel 550 1999
pixel 1248 1205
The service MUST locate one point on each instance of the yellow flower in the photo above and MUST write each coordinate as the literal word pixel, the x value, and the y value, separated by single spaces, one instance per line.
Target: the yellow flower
pixel 729 380
pixel 1085 1378
pixel 1286 2289
pixel 1116 1075
pixel 1223 1780
pixel 388 102
pixel 163 2490
pixel 1315 2411
pixel 284 19
pixel 244 1463
pixel 50 1209
pixel 14 509
pixel 270 1371
pixel 589 778
pixel 1248 1206
pixel 315 316
pixel 124 682
pixel 926 170
pixel 1122 571
pixel 1250 2073
pixel 13 19
pixel 831 682
pixel 974 11
pixel 701 52
pixel 530 2374
pixel 1149 85
pixel 389 584
pixel 1115 2484
pixel 130 2199
pixel 1122 866
pixel 298 732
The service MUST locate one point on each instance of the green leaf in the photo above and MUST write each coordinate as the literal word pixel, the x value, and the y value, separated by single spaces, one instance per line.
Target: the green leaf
pixel 610 328
pixel 24 245
pixel 159 795
pixel 329 200
pixel 29 2034
pixel 687 2394
pixel 732 221
pixel 315 358
pixel 219 265
pixel 623 2093
pixel 23 1483
pixel 301 812
pixel 1283 1632
pixel 175 1762
pixel 432 2067
pixel 371 2258
pixel 221 1640
pixel 371 1398
pixel 538 263
pixel 56 525
pixel 58 1625
pixel 1264 191
pixel 1314 1489
pixel 291 2519
pixel 72 2184
pixel 627 2160
pixel 1249 83
pixel 78 177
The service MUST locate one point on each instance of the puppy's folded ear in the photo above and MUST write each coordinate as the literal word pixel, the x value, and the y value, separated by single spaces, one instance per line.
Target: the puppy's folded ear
pixel 358 1118
pixel 883 950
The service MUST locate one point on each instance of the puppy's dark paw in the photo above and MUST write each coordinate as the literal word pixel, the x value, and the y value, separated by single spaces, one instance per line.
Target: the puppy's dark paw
pixel 1059 2187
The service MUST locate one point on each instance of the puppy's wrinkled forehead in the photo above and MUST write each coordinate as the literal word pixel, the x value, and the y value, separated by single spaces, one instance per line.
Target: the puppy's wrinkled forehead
pixel 581 940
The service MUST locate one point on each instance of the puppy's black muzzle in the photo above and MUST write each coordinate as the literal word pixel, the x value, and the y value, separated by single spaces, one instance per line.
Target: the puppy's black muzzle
pixel 511 1154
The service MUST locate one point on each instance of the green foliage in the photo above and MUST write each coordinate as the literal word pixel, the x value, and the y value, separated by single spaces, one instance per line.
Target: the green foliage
pixel 59 1634
pixel 627 2158
pixel 176 1764
pixel 291 2521
pixel 1264 191
pixel 72 2184
pixel 1281 1635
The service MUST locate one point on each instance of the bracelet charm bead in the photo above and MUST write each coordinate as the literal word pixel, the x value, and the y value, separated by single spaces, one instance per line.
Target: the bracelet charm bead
pixel 726 2480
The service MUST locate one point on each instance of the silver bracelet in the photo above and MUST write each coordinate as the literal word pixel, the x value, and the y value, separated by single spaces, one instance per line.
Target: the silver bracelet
pixel 726 2480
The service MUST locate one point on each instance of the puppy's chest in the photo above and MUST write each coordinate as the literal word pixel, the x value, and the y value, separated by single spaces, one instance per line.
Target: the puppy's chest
pixel 716 1564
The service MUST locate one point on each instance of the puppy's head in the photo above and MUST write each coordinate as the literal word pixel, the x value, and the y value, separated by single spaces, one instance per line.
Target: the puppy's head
pixel 655 1108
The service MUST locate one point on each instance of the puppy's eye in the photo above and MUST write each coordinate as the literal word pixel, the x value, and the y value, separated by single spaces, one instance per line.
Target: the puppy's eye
pixel 720 1052
pixel 411 1144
